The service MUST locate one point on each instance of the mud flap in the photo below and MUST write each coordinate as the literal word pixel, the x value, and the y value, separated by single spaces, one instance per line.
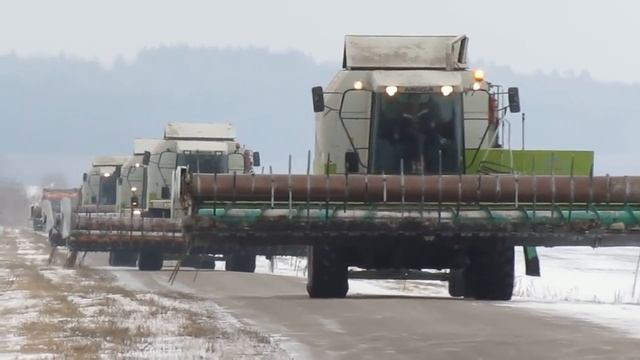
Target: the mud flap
pixel 531 261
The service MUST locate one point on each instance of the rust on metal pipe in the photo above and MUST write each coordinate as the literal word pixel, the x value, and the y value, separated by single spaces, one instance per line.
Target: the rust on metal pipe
pixel 431 188
pixel 94 209
pixel 124 223
pixel 78 238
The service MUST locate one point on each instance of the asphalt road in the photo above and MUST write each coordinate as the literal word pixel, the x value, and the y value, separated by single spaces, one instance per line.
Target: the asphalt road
pixel 389 327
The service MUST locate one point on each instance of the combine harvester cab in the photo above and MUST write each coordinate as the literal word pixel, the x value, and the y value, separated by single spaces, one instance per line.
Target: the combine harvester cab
pixel 410 173
pixel 99 185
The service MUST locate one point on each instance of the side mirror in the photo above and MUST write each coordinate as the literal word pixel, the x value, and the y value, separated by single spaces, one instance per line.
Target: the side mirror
pixel 84 177
pixel 514 100
pixel 351 162
pixel 146 157
pixel 317 94
pixel 256 158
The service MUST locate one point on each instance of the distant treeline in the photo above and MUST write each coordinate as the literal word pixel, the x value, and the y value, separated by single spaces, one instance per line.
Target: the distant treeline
pixel 58 112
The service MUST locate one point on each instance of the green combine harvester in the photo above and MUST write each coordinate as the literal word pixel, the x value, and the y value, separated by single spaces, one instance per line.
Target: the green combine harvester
pixel 410 172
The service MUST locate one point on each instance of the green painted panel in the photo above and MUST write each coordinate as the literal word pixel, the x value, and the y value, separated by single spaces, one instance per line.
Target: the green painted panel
pixel 528 162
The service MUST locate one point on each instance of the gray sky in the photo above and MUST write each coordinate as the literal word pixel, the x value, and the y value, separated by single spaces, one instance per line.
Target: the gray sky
pixel 565 35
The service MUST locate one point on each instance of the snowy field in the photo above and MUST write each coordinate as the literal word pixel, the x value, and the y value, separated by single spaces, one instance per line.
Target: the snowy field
pixel 48 312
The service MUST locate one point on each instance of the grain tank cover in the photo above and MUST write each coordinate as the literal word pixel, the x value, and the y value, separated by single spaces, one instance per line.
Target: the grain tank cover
pixel 199 131
pixel 405 52
pixel 202 146
pixel 109 161
pixel 142 145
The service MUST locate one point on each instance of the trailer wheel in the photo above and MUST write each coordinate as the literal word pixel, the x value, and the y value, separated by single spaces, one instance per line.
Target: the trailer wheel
pixel 327 275
pixel 122 258
pixel 240 262
pixel 150 260
pixel 491 272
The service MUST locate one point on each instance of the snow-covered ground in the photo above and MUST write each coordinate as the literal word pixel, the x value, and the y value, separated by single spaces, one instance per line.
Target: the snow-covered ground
pixel 51 312
pixel 595 285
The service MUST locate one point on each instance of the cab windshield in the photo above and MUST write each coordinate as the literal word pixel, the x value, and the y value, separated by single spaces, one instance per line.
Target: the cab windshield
pixel 204 163
pixel 420 133
pixel 108 186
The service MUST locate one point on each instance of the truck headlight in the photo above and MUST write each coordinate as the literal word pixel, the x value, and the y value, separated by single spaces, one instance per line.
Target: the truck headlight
pixel 357 85
pixel 391 90
pixel 446 90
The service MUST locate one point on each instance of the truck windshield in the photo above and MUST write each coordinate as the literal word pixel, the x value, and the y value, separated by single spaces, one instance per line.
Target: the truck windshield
pixel 423 132
pixel 205 163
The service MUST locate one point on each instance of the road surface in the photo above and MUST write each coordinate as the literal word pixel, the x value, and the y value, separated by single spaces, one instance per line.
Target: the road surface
pixel 278 320
pixel 389 327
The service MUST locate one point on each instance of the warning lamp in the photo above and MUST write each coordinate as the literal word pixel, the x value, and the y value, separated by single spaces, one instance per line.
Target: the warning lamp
pixel 478 75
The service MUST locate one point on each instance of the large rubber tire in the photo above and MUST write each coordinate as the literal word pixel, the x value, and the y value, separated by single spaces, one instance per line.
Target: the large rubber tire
pixel 122 258
pixel 491 272
pixel 150 260
pixel 457 283
pixel 208 262
pixel 240 262
pixel 327 275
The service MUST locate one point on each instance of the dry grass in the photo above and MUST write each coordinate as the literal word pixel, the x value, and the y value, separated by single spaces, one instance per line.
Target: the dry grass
pixel 84 314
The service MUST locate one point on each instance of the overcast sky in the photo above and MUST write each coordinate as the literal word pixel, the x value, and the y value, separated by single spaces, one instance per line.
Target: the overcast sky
pixel 567 35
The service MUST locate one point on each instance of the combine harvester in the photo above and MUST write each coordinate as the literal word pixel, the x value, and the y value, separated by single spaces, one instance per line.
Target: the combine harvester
pixel 145 197
pixel 48 210
pixel 209 148
pixel 97 196
pixel 410 173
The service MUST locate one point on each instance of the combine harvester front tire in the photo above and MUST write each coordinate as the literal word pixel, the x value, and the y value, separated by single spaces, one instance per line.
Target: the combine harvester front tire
pixel 327 275
pixel 122 258
pixel 491 272
pixel 240 262
pixel 150 260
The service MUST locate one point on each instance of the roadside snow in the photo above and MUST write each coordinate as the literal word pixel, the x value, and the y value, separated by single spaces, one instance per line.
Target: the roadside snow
pixel 595 285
